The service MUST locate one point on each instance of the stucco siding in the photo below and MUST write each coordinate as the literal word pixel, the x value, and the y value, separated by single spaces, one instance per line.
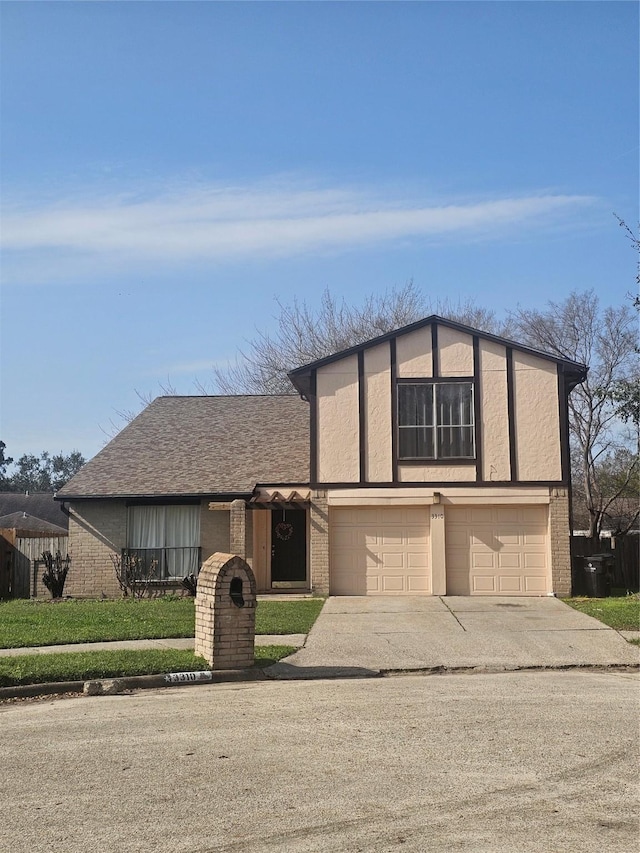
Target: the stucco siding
pixel 436 473
pixel 413 354
pixel 455 352
pixel 495 412
pixel 537 420
pixel 338 422
pixel 377 377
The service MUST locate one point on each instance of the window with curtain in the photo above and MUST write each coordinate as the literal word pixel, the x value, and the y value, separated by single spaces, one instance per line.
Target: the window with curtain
pixel 435 420
pixel 168 535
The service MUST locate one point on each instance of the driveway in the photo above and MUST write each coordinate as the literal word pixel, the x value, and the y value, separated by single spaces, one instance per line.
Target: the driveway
pixel 359 635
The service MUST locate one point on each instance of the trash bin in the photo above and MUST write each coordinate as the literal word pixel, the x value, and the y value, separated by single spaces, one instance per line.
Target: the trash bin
pixel 597 575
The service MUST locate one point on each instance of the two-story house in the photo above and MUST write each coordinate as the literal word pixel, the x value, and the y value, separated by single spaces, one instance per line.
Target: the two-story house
pixel 432 460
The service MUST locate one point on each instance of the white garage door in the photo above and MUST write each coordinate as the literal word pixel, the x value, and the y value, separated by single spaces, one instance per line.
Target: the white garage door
pixel 379 551
pixel 497 550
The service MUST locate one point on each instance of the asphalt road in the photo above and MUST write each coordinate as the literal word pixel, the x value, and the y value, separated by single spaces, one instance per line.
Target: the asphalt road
pixel 510 762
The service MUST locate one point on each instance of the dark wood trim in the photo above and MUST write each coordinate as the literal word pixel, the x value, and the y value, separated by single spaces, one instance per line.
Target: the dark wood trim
pixel 362 437
pixel 477 407
pixel 563 409
pixel 313 427
pixel 176 500
pixel 511 417
pixel 457 460
pixel 300 376
pixel 435 355
pixel 413 484
pixel 394 409
pixel 430 380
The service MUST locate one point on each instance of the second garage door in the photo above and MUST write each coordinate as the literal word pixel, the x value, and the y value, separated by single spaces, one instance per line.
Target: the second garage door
pixel 498 550
pixel 379 551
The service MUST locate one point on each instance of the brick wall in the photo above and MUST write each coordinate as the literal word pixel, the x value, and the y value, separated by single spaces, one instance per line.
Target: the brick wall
pixel 214 531
pixel 319 543
pixel 560 541
pixel 225 633
pixel 97 529
pixel 238 527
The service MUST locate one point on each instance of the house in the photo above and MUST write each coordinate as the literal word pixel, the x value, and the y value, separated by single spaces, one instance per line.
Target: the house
pixel 432 460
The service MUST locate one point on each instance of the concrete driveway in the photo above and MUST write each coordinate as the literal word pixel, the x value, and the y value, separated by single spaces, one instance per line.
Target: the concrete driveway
pixel 359 635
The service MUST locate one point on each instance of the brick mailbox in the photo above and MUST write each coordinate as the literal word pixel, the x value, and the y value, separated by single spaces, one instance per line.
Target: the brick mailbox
pixel 226 612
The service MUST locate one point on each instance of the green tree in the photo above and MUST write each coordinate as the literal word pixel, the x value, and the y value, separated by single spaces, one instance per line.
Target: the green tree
pixel 44 473
pixel 5 461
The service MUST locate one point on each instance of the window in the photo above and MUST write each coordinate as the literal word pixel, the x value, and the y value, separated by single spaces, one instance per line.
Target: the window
pixel 166 539
pixel 435 420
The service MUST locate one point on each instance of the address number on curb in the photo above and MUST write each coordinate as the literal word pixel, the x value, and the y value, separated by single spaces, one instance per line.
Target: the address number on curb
pixel 179 677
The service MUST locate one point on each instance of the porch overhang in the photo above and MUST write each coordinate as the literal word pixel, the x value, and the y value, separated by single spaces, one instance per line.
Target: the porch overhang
pixel 283 497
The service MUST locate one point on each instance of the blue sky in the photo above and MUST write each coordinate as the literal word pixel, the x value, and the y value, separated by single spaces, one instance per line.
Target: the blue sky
pixel 169 169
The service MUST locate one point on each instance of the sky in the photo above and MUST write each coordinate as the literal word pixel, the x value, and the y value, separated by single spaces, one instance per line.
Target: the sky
pixel 171 169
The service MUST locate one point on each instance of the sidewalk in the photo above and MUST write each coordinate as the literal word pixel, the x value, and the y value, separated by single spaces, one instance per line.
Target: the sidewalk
pixel 296 640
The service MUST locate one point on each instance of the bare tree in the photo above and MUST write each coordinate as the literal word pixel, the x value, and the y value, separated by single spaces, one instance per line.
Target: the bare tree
pixel 604 339
pixel 304 334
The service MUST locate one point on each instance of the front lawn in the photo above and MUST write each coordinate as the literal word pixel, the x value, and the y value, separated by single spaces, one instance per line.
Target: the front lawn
pixel 621 613
pixel 47 623
pixel 85 666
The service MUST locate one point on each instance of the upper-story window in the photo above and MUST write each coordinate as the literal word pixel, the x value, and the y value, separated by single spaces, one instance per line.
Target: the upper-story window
pixel 435 420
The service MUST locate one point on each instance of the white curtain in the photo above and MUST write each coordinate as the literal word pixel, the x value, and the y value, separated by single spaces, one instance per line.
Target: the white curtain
pixel 174 529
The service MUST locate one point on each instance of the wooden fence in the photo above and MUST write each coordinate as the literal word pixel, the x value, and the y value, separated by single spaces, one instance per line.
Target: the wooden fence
pixel 21 562
pixel 625 553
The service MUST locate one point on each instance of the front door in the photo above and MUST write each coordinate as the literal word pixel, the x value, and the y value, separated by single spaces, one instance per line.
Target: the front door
pixel 288 548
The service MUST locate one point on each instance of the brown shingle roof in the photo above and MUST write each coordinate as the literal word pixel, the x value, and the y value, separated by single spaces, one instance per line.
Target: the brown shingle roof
pixel 201 446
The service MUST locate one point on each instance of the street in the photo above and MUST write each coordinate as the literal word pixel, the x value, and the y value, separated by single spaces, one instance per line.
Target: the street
pixel 506 762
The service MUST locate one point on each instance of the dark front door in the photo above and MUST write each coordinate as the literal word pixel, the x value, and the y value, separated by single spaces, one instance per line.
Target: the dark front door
pixel 288 548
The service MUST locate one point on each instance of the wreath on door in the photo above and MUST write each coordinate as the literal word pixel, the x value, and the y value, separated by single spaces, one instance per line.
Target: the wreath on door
pixel 284 530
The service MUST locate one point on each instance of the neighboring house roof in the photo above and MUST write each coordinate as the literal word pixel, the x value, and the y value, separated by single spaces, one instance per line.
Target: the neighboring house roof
pixel 39 505
pixel 192 446
pixel 300 377
pixel 29 523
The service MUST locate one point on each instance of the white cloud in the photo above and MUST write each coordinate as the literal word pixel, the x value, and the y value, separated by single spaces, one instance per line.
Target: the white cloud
pixel 214 224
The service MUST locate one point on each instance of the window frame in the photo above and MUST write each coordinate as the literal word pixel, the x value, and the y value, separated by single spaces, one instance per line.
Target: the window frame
pixel 435 427
pixel 164 550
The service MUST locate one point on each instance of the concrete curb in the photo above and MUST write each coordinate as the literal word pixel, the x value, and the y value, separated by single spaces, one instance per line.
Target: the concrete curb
pixel 113 686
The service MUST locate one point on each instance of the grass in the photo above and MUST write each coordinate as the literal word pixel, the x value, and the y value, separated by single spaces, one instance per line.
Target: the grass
pixel 287 617
pixel 47 623
pixel 621 613
pixel 83 666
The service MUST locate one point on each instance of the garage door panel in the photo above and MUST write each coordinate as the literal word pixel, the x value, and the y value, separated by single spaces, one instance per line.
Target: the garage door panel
pixel 482 561
pixel 418 561
pixel 510 584
pixel 509 561
pixel 419 584
pixel 386 551
pixel 535 585
pixel 508 538
pixel 497 550
pixel 484 583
